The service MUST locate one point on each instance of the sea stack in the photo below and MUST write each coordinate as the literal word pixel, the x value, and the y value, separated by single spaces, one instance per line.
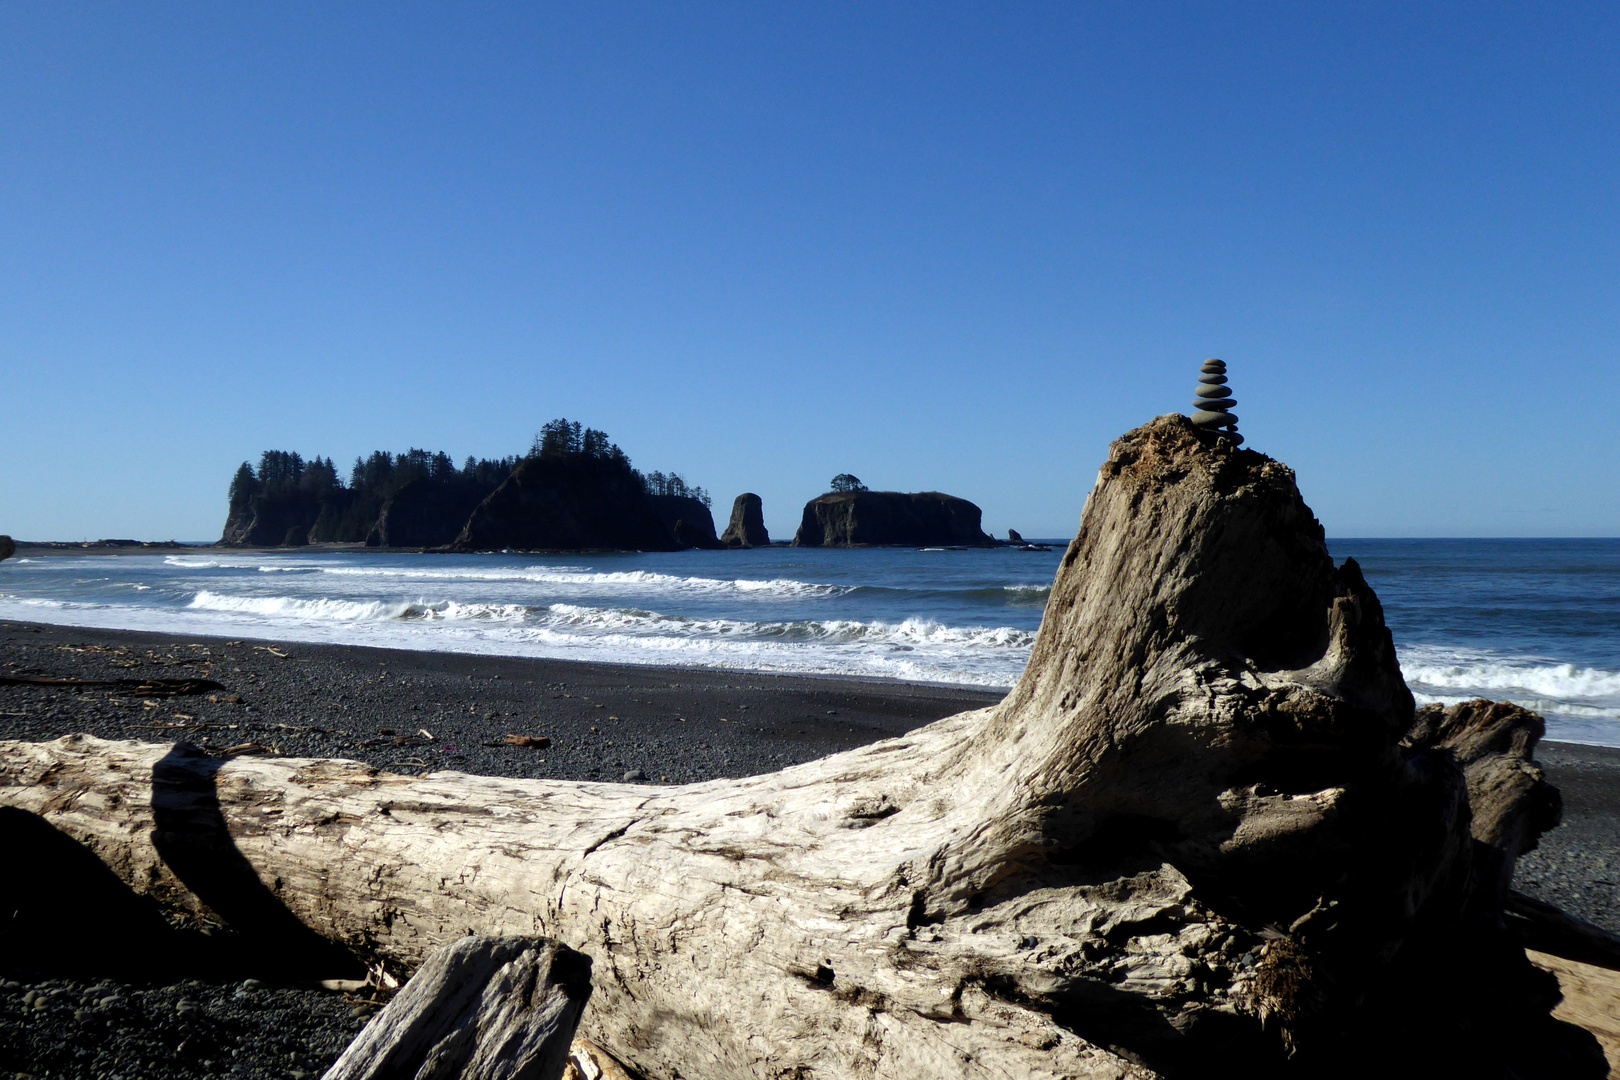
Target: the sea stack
pixel 1213 401
pixel 747 528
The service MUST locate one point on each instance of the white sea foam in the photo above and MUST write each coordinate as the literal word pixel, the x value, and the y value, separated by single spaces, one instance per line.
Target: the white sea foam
pixel 909 633
pixel 584 577
pixel 560 575
pixel 1445 675
pixel 326 609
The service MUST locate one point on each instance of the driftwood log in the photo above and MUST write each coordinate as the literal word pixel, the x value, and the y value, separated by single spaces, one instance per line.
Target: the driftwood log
pixel 482 1008
pixel 1200 829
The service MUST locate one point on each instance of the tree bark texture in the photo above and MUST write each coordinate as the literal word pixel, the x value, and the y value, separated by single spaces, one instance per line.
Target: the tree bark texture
pixel 1192 832
pixel 482 1008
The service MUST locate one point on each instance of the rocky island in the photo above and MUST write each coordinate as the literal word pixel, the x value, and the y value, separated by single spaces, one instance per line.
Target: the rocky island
pixel 747 526
pixel 891 519
pixel 574 490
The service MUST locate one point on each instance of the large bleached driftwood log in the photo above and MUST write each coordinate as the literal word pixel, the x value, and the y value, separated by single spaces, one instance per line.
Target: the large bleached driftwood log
pixel 1192 833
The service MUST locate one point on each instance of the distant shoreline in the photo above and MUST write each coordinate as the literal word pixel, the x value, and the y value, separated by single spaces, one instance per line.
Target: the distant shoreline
pixel 33 549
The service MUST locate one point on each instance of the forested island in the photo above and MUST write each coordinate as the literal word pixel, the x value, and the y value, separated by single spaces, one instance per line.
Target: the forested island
pixel 574 489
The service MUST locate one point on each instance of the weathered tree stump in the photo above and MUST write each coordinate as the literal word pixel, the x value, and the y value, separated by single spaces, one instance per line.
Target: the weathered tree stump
pixel 482 1008
pixel 1191 834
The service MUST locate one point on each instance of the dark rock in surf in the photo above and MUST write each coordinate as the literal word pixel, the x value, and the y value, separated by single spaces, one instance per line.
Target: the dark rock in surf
pixel 8 547
pixel 425 514
pixel 1013 537
pixel 567 504
pixel 747 527
pixel 689 522
pixel 891 518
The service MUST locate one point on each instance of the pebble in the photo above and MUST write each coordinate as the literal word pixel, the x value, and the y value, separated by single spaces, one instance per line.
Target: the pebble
pixel 634 776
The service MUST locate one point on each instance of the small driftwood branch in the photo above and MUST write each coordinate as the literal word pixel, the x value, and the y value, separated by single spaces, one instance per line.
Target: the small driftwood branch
pixel 482 1008
pixel 146 687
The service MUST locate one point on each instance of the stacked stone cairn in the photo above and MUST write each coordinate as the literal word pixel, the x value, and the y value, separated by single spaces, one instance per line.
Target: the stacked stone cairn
pixel 1213 401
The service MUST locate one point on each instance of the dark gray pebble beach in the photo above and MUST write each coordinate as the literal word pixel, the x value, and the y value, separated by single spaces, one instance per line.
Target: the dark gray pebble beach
pixel 418 712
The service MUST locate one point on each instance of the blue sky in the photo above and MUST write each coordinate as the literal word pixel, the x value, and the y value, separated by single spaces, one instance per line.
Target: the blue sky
pixel 954 247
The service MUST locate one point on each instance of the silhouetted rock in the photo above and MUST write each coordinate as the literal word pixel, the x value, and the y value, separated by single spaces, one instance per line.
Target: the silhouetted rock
pixel 1013 537
pixel 747 528
pixel 689 522
pixel 8 547
pixel 272 519
pixel 890 518
pixel 425 514
pixel 568 504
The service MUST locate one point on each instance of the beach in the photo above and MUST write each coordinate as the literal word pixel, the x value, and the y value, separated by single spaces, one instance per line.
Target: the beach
pixel 415 712
pixel 378 706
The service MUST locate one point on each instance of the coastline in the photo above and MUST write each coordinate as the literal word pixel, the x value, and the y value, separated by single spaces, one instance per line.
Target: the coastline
pixel 416 711
pixel 675 725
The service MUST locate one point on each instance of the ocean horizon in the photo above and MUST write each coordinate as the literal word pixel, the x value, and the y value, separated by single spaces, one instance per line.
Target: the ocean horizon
pixel 1532 621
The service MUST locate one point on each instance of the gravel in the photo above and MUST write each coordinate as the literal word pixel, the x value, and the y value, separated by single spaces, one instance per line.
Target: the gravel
pixel 1577 865
pixel 82 1029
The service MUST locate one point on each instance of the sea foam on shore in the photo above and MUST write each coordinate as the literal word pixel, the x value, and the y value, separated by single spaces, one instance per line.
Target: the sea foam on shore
pixel 1534 622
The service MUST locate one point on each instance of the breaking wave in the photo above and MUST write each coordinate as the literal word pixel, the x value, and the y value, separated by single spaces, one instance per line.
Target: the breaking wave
pixel 1450 675
pixel 566 576
pixel 327 609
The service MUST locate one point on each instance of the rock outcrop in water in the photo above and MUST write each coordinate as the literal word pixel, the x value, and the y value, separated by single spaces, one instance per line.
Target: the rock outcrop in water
pixel 8 548
pixel 415 499
pixel 422 500
pixel 565 504
pixel 891 519
pixel 425 514
pixel 747 527
pixel 689 521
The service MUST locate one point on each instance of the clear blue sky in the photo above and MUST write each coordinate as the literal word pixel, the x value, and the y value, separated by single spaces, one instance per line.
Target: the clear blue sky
pixel 956 247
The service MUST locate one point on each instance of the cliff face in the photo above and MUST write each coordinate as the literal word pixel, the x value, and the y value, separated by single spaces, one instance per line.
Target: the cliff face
pixel 422 514
pixel 283 519
pixel 878 518
pixel 562 505
pixel 689 522
pixel 747 527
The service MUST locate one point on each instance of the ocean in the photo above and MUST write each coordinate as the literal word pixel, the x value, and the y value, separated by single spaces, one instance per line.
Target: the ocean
pixel 1536 622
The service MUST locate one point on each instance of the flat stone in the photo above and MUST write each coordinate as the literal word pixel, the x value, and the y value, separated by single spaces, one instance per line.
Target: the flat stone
pixel 1215 366
pixel 1215 404
pixel 1212 378
pixel 1212 391
pixel 1214 419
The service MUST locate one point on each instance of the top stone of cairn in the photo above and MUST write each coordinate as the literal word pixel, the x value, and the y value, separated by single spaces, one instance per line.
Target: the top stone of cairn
pixel 1213 400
